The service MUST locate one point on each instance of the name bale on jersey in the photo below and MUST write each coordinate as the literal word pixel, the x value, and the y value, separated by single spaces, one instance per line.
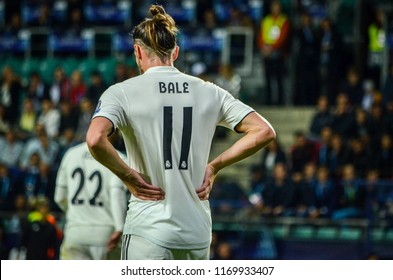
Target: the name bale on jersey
pixel 173 87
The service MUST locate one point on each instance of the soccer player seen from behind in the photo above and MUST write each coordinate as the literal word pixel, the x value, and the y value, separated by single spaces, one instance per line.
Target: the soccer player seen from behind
pixel 168 119
pixel 95 202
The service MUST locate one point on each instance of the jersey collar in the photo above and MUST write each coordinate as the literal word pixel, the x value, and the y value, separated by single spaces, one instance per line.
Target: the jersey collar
pixel 157 69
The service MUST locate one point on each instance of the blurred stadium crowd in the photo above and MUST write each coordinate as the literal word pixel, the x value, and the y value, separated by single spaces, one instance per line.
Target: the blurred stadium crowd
pixel 341 168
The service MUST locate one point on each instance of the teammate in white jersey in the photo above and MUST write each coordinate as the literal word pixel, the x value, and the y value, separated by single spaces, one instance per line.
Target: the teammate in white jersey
pixel 167 120
pixel 95 202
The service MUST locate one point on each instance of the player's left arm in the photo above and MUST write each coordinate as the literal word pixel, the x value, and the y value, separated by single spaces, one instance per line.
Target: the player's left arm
pixel 257 134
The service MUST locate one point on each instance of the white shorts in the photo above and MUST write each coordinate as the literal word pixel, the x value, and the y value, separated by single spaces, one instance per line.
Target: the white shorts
pixel 82 252
pixel 138 248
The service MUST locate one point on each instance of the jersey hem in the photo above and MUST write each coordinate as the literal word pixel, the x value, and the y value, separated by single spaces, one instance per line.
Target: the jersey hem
pixel 170 245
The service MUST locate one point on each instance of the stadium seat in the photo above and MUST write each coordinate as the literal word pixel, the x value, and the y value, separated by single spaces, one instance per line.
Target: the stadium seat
pixel 28 66
pixel 350 233
pixel 389 235
pixel 70 65
pixel 87 66
pixel 47 67
pixel 326 232
pixel 280 231
pixel 303 232
pixel 15 64
pixel 106 66
pixel 377 234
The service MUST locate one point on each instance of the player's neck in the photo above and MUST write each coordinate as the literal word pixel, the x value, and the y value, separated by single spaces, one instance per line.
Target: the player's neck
pixel 154 62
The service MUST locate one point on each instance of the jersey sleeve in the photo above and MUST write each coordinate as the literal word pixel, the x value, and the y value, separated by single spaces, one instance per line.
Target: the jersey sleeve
pixel 233 111
pixel 111 106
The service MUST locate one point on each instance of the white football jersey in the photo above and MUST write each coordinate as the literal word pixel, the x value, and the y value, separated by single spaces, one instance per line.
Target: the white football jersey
pixel 168 120
pixel 94 199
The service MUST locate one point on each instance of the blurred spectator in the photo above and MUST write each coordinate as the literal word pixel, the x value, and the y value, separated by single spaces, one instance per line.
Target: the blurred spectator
pixel 96 87
pixel 10 94
pixel 46 148
pixel 66 140
pixel 27 120
pixel 49 118
pixel 229 80
pixel 238 18
pixel 44 16
pixel 343 118
pixel 37 90
pixel 321 118
pixel 228 198
pixel 360 156
pixel 4 122
pixel 75 22
pixel 324 145
pixel 209 22
pixel 303 182
pixel 10 149
pixel 68 116
pixel 86 112
pixel 14 25
pixel 384 157
pixel 351 196
pixel 273 42
pixel 60 87
pixel 371 185
pixel 35 178
pixel 370 95
pixel 16 226
pixel 78 88
pixel 386 205
pixel 387 87
pixel 224 251
pixel 330 59
pixel 42 234
pixel 206 61
pixel 121 72
pixel 307 63
pixel 257 186
pixel 321 195
pixel 279 193
pixel 272 155
pixel 363 128
pixel 301 152
pixel 378 119
pixel 309 172
pixel 8 188
pixel 376 46
pixel 337 156
pixel 353 87
pixel 388 119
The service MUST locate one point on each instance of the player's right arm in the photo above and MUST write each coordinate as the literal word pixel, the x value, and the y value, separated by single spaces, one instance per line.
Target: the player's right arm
pixel 257 134
pixel 104 152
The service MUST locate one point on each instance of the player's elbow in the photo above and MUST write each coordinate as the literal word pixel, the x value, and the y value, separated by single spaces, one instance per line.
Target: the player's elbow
pixel 265 135
pixel 93 139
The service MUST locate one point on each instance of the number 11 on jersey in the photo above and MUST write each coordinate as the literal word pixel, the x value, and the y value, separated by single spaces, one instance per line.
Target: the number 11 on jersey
pixel 185 138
